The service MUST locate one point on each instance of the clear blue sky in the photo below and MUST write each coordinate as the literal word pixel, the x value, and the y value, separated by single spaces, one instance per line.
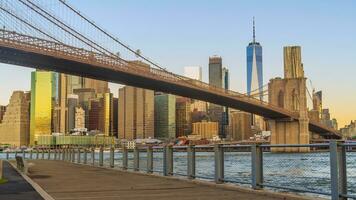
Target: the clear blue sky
pixel 185 32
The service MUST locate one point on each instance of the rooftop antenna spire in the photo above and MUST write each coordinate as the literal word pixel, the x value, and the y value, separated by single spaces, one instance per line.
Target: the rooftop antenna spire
pixel 254 34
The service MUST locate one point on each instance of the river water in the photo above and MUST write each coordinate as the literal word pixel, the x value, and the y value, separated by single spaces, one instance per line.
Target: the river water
pixel 305 171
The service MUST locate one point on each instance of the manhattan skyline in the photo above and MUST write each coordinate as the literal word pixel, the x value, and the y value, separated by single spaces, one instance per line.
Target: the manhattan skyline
pixel 183 36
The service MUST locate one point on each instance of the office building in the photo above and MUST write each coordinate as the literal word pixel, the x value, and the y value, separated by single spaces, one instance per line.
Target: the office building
pixel 193 72
pixel 240 125
pixel 349 131
pixel 254 67
pixel 136 113
pixel 95 108
pixel 84 95
pixel 44 98
pixel 108 114
pixel 165 116
pixel 206 130
pixel 79 118
pixel 216 80
pixel 72 103
pixel 15 126
pixel 183 116
pixel 99 86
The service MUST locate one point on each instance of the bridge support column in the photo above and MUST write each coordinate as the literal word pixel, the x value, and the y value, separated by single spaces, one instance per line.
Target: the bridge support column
pixel 289 132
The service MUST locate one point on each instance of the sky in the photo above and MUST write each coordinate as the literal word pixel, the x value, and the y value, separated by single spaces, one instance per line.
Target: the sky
pixel 185 33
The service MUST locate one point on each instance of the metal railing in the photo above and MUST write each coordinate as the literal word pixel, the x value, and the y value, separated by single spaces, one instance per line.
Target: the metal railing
pixel 328 169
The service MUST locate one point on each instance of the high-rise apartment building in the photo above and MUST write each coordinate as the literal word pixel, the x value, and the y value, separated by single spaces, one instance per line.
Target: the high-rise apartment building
pixel 293 66
pixel 15 126
pixel 44 98
pixel 254 67
pixel 193 72
pixel 165 116
pixel 136 113
pixel 183 116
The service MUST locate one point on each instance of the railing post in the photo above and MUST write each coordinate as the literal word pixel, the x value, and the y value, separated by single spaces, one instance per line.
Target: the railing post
pixel 42 154
pixel 256 166
pixel 85 156
pixel 92 156
pixel 112 157
pixel 191 161
pixel 338 171
pixel 48 154
pixel 79 155
pixel 168 160
pixel 124 158
pixel 31 154
pixel 62 154
pixel 37 154
pixel 136 159
pixel 23 154
pixel 55 154
pixel 73 155
pixel 219 163
pixel 101 156
pixel 7 155
pixel 149 159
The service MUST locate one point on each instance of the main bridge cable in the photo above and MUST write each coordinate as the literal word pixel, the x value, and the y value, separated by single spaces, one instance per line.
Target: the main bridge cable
pixel 28 24
pixel 121 43
pixel 88 42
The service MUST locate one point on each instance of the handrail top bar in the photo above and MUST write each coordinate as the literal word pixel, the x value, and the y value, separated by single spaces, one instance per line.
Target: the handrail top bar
pixel 295 145
pixel 236 145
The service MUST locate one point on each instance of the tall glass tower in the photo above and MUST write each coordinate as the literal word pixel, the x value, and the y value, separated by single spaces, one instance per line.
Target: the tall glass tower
pixel 254 67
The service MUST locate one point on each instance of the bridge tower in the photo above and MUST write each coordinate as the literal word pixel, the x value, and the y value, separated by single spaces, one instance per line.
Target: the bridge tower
pixel 290 93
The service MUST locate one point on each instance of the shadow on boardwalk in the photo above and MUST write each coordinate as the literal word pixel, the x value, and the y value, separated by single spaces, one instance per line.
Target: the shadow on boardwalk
pixel 16 187
pixel 63 180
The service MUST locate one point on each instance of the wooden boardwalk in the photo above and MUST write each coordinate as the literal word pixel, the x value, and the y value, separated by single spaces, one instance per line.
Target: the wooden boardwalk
pixel 65 181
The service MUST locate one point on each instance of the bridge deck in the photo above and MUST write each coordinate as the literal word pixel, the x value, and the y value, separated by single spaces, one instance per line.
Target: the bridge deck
pixel 64 180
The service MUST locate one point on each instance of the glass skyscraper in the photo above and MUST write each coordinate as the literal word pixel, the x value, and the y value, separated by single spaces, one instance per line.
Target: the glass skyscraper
pixel 254 67
pixel 44 97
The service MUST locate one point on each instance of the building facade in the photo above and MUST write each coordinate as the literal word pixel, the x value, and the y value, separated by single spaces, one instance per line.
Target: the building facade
pixel 165 116
pixel 136 113
pixel 206 130
pixel 2 112
pixel 240 125
pixel 183 116
pixel 15 126
pixel 44 98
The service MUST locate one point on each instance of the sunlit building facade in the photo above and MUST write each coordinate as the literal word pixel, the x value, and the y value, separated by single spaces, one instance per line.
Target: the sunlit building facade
pixel 15 126
pixel 44 97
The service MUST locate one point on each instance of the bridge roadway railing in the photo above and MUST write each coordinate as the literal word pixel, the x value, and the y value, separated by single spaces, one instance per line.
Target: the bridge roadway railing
pixel 328 170
pixel 59 50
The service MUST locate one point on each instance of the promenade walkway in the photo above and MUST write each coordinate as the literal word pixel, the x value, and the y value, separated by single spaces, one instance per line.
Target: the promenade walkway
pixel 16 188
pixel 65 181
